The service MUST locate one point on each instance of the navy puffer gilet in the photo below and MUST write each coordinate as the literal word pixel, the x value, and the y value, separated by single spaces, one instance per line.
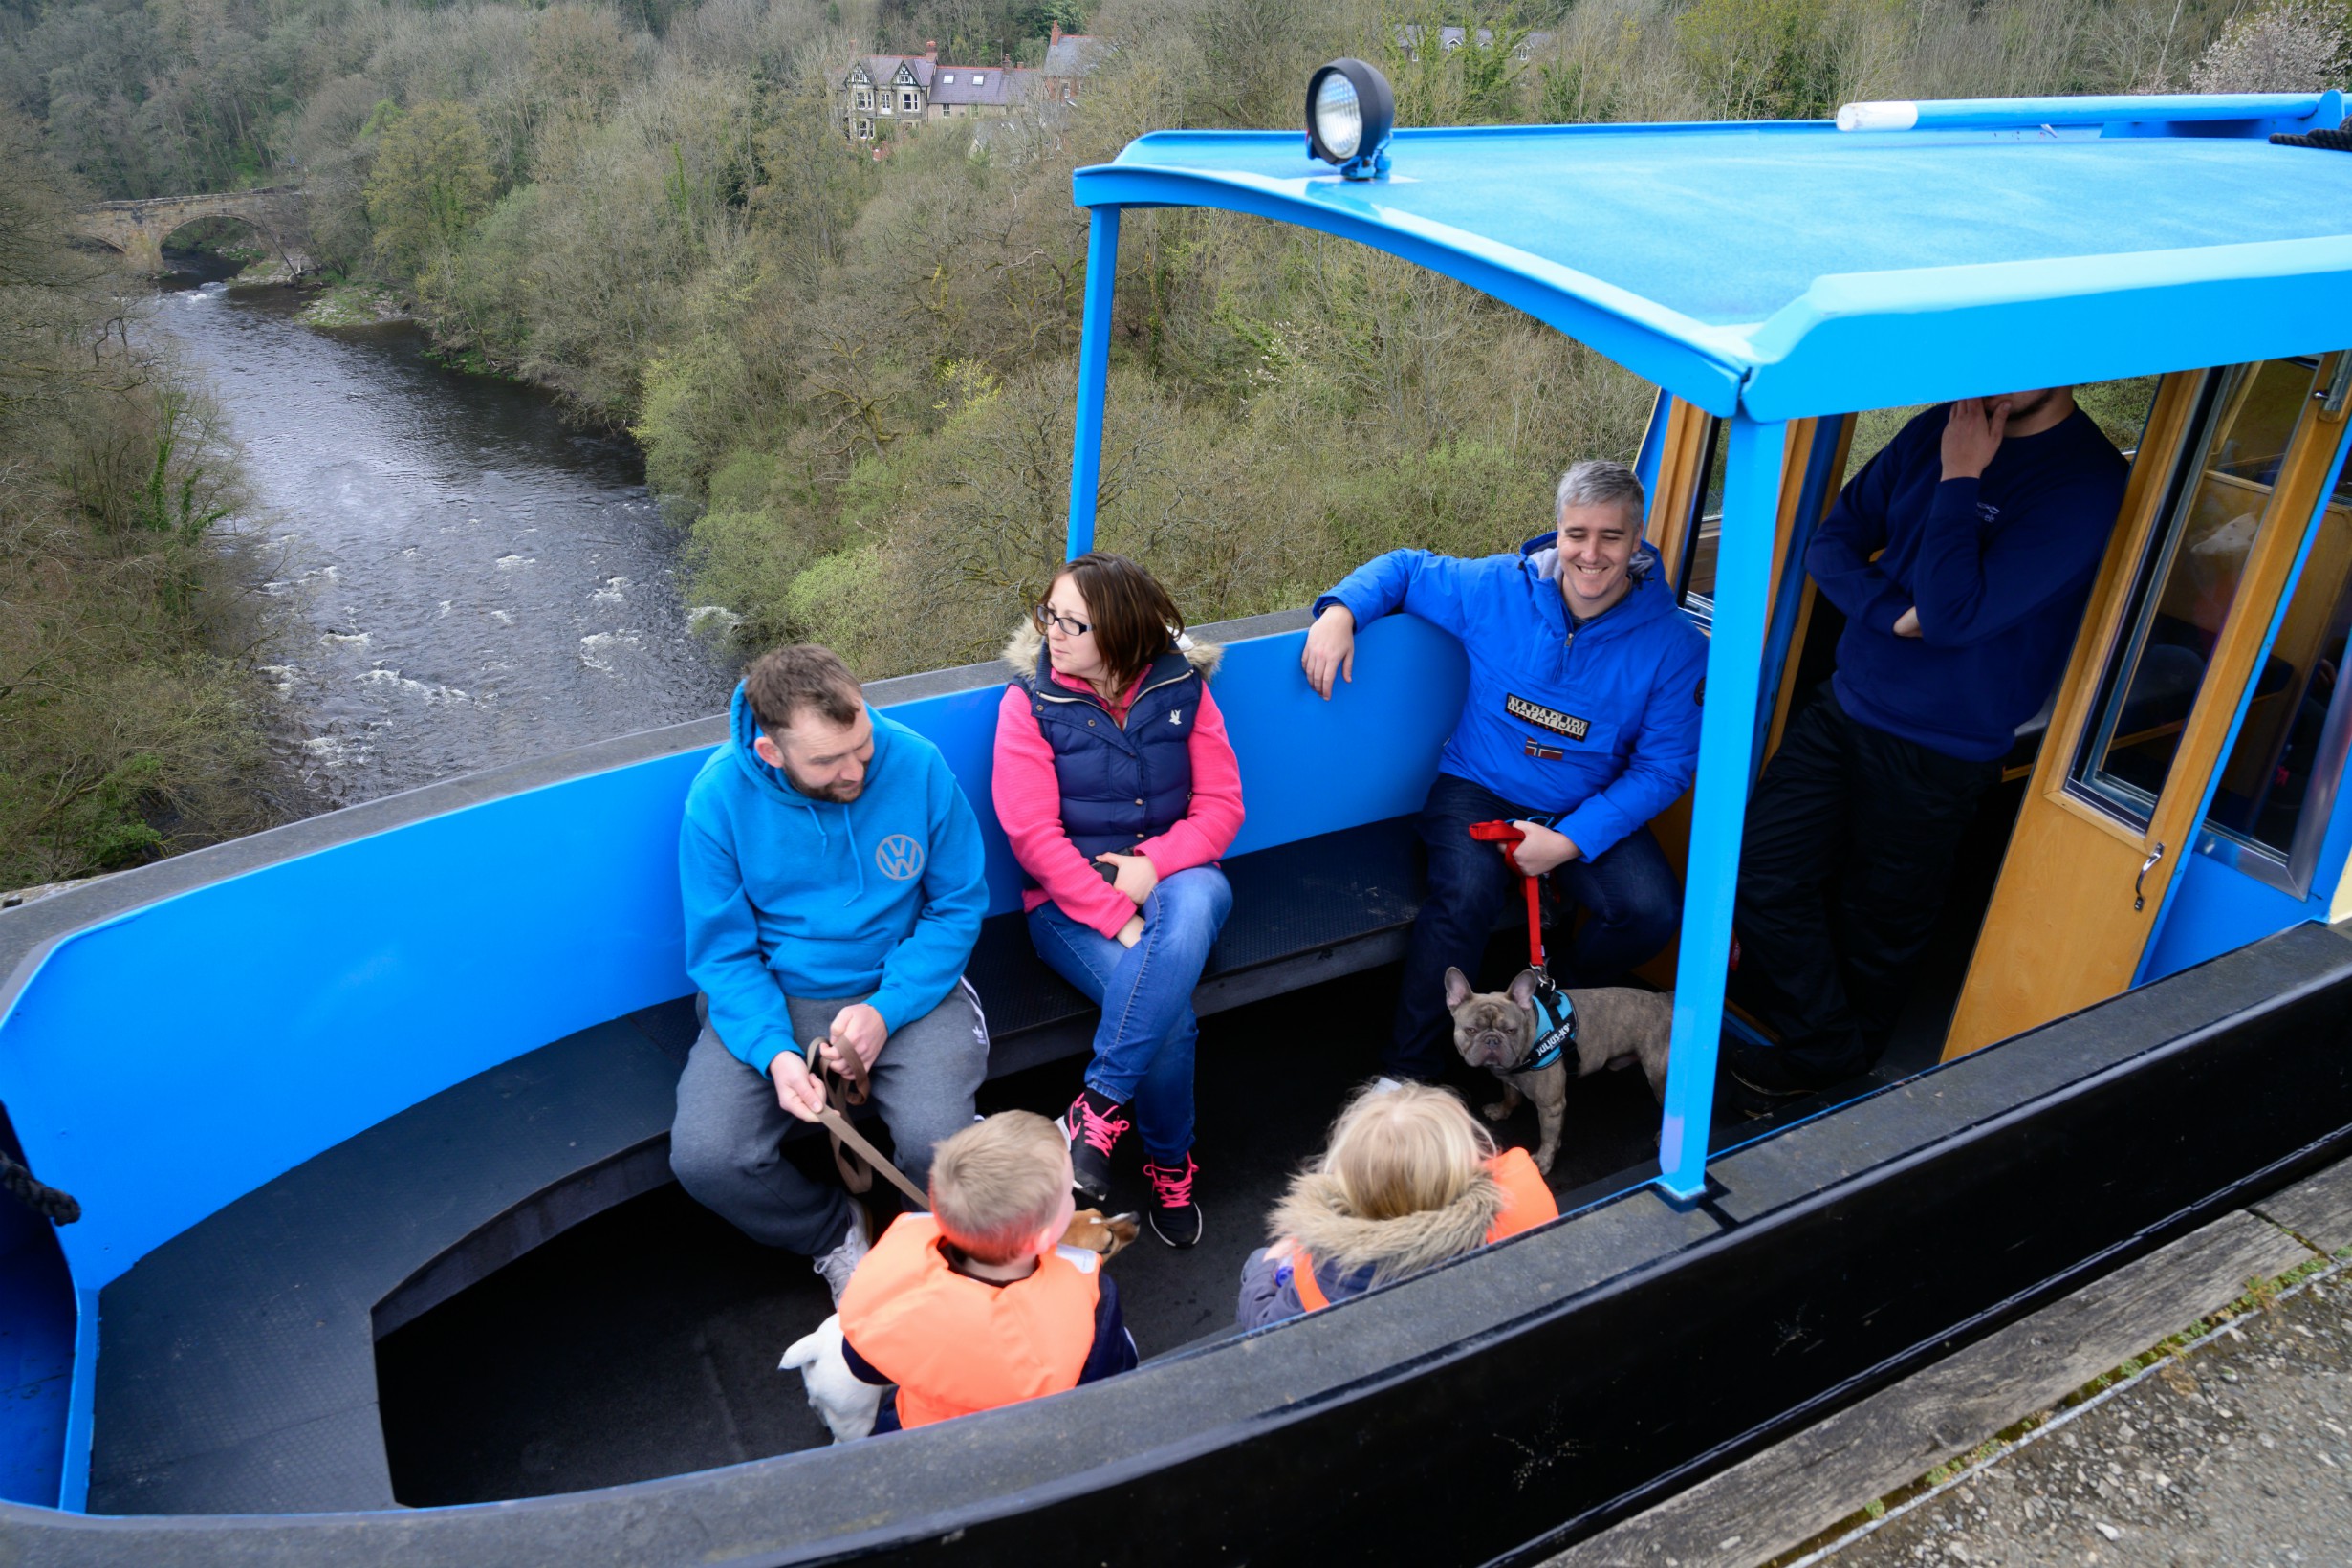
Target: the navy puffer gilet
pixel 1119 787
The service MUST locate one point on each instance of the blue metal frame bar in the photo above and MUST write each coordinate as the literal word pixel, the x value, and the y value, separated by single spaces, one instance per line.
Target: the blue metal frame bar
pixel 1646 461
pixel 1820 477
pixel 1094 370
pixel 1727 744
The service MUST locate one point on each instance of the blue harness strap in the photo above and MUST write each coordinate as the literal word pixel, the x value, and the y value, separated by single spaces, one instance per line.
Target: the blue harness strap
pixel 1556 1027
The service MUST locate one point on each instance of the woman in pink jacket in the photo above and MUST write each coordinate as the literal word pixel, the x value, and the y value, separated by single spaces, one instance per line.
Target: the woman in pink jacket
pixel 1118 790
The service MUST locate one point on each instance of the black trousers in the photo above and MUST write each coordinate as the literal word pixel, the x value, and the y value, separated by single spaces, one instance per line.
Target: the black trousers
pixel 1848 853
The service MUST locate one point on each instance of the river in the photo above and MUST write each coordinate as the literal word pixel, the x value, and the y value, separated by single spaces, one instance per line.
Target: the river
pixel 455 578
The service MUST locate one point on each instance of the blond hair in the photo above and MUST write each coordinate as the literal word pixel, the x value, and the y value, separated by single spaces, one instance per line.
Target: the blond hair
pixel 1405 1150
pixel 997 1183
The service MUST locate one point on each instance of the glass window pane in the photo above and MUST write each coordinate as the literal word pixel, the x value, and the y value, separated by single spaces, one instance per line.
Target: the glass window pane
pixel 1706 528
pixel 2276 780
pixel 2189 580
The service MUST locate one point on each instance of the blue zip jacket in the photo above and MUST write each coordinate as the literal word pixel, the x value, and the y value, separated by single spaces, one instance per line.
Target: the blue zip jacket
pixel 786 896
pixel 1597 726
pixel 1998 568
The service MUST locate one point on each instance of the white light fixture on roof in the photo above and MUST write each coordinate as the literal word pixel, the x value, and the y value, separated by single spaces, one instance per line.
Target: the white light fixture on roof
pixel 1350 114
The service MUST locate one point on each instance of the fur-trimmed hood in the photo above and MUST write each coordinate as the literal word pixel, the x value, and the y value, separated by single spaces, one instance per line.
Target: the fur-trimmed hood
pixel 1021 652
pixel 1316 1212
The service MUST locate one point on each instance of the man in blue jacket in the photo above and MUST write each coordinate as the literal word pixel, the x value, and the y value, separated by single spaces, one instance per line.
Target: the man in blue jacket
pixel 1580 724
pixel 1962 556
pixel 831 872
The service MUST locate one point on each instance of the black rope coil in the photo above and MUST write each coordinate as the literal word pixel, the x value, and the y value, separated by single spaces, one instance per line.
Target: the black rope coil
pixel 38 1195
pixel 2337 140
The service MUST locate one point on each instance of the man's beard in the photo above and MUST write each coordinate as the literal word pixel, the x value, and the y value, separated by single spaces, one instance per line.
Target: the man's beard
pixel 840 794
pixel 2027 407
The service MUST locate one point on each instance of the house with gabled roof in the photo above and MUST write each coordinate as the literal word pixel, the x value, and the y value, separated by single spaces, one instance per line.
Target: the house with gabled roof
pixel 883 91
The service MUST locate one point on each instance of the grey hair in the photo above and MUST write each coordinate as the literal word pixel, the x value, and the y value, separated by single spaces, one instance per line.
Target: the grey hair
pixel 1597 482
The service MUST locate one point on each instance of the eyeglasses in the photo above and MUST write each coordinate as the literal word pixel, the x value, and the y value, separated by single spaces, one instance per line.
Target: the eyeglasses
pixel 1049 619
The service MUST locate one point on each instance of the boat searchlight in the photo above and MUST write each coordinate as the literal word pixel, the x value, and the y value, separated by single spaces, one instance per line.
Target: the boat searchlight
pixel 1350 112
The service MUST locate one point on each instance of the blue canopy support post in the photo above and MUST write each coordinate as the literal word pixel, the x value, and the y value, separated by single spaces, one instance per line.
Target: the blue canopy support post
pixel 1093 369
pixel 1727 745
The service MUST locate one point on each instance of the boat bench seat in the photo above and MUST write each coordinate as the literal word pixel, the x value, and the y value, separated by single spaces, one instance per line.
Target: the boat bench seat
pixel 237 1371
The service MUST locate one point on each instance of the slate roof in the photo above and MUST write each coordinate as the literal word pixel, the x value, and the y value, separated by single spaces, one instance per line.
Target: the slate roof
pixel 884 68
pixel 991 86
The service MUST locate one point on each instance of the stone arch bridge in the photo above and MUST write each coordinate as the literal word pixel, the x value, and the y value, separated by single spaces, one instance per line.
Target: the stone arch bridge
pixel 139 228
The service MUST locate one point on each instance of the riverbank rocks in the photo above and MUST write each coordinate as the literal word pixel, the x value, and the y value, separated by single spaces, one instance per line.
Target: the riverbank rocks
pixel 351 305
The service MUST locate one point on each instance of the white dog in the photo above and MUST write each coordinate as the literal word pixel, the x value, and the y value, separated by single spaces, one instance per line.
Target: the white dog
pixel 847 1402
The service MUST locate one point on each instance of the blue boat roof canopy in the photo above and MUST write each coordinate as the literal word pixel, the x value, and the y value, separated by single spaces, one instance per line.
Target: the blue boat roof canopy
pixel 1793 269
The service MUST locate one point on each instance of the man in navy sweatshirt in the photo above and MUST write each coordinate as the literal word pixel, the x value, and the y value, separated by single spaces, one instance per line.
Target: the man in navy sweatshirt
pixel 1987 519
pixel 1581 723
pixel 833 880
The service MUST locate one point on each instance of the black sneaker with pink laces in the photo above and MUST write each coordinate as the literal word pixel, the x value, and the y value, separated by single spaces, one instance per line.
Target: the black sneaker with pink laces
pixel 1093 1125
pixel 1175 1216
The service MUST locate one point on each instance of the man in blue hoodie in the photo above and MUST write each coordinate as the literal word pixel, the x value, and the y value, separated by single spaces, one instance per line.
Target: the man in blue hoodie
pixel 1962 556
pixel 832 873
pixel 1580 724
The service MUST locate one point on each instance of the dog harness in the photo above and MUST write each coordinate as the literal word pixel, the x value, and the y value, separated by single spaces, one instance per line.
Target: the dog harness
pixel 1555 1026
pixel 1527 1203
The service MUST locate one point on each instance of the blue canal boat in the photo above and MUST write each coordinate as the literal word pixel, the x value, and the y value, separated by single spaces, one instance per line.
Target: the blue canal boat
pixel 314 1087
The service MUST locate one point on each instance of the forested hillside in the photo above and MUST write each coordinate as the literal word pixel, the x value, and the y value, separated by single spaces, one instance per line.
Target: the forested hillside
pixel 853 373
pixel 129 725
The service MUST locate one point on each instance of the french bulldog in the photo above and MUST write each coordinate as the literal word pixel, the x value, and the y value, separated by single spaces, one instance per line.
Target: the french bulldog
pixel 1107 1237
pixel 1617 1026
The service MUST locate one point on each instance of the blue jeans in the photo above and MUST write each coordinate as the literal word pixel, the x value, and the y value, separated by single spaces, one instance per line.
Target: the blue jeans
pixel 1144 1045
pixel 1628 891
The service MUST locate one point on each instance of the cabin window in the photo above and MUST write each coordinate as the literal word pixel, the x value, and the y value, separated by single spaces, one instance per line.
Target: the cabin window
pixel 2182 596
pixel 2271 805
pixel 1696 592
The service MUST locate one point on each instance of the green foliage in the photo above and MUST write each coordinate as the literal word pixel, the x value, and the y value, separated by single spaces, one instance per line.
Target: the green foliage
pixel 124 732
pixel 1476 82
pixel 431 180
pixel 1766 59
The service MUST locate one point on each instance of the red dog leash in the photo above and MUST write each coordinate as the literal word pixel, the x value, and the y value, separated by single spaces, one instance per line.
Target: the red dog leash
pixel 1555 1014
pixel 1507 836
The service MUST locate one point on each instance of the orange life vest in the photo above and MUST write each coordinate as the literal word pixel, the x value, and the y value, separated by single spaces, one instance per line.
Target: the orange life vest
pixel 1527 1203
pixel 954 1344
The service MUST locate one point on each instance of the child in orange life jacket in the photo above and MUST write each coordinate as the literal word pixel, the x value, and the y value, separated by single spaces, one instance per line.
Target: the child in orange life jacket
pixel 977 1304
pixel 1407 1181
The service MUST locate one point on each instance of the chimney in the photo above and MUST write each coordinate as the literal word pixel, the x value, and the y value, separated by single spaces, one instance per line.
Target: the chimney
pixel 1056 36
pixel 930 50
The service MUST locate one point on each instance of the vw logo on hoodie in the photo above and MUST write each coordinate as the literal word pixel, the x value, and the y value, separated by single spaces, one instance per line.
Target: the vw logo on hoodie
pixel 900 856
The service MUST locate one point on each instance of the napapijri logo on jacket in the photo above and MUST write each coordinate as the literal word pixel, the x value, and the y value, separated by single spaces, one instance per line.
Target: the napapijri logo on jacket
pixel 1549 718
pixel 900 856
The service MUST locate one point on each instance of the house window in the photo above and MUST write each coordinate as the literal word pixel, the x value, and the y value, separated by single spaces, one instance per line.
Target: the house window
pixel 907 100
pixel 866 130
pixel 979 81
pixel 949 78
pixel 865 97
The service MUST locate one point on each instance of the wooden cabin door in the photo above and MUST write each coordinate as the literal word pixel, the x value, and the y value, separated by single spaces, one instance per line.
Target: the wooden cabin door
pixel 2225 486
